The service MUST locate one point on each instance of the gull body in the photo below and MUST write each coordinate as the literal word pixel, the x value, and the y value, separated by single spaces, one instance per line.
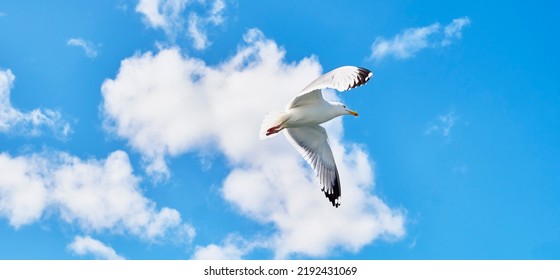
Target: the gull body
pixel 301 124
pixel 315 113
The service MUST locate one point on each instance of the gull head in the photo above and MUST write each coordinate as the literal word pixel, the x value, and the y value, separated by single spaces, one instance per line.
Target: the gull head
pixel 342 109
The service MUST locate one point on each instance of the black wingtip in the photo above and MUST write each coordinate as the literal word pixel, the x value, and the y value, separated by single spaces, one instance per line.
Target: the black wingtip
pixel 362 78
pixel 335 200
pixel 334 196
pixel 365 74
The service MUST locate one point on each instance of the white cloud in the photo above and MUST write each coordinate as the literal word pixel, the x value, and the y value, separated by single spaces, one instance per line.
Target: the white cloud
pixel 169 16
pixel 164 14
pixel 412 40
pixel 85 245
pixel 28 123
pixel 443 124
pixel 233 247
pixel 216 252
pixel 96 195
pixel 23 194
pixel 166 104
pixel 89 48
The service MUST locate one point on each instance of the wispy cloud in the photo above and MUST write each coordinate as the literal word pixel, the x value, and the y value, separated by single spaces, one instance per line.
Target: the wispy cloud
pixel 195 31
pixel 454 30
pixel 412 40
pixel 155 103
pixel 443 124
pixel 460 168
pixel 28 123
pixel 404 45
pixel 121 5
pixel 198 25
pixel 169 15
pixel 85 245
pixel 89 48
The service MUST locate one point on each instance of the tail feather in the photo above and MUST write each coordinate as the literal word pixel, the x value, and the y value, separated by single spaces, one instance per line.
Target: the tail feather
pixel 271 119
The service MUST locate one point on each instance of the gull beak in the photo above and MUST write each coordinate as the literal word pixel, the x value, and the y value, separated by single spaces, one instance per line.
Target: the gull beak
pixel 353 113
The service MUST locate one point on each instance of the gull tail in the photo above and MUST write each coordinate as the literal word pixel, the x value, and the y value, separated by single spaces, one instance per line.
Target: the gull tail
pixel 272 124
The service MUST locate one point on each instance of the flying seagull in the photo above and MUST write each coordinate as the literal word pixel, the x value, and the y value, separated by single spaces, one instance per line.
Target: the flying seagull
pixel 301 118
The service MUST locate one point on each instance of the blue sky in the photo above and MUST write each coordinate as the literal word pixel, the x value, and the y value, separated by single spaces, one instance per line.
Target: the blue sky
pixel 129 129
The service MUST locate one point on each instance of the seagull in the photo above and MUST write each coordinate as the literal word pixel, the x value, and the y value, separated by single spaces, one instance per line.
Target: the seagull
pixel 301 124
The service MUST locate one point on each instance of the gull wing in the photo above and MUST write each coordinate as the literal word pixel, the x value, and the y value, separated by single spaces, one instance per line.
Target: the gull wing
pixel 341 79
pixel 313 144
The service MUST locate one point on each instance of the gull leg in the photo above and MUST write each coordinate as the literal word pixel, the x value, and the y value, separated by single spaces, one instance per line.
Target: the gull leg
pixel 274 129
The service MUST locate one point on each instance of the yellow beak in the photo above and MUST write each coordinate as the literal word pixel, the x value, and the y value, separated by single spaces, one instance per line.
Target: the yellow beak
pixel 353 113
